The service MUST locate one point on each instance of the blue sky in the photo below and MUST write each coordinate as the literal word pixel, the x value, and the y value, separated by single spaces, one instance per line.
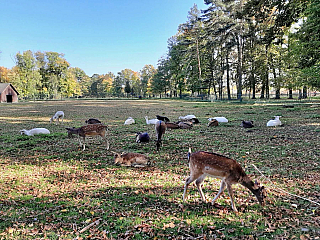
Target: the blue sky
pixel 96 36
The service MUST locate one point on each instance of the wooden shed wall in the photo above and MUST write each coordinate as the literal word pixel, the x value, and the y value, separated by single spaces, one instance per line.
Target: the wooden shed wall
pixel 8 91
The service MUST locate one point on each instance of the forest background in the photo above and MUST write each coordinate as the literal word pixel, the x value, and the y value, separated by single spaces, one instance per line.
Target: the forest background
pixel 228 49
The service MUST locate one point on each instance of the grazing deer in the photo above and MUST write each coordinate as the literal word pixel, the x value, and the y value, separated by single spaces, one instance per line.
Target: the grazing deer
pixel 160 128
pixel 131 159
pixel 90 130
pixel 57 116
pixel 230 172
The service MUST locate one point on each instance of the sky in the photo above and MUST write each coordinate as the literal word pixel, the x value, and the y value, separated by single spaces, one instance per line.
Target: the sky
pixel 97 36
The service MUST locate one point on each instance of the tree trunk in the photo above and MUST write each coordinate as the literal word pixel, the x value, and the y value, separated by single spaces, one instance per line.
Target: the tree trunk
pixel 240 58
pixel 305 92
pixel 240 68
pixel 267 74
pixel 228 77
pixel 262 91
pixel 290 94
pixel 198 57
pixel 253 84
pixel 277 93
pixel 277 85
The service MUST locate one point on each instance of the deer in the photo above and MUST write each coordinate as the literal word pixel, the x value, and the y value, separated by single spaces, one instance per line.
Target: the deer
pixel 89 130
pixel 92 121
pixel 57 116
pixel 213 123
pixel 163 118
pixel 131 159
pixel 230 172
pixel 160 128
pixel 142 137
pixel 171 125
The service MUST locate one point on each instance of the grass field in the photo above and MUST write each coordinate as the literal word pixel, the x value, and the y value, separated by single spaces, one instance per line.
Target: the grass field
pixel 50 189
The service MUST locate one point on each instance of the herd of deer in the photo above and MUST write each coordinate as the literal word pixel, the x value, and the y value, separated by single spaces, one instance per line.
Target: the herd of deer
pixel 201 163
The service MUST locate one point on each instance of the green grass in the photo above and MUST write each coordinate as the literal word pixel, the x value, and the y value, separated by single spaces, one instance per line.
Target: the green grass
pixel 50 189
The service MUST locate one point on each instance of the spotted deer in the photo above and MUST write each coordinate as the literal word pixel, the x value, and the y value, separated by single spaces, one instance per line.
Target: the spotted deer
pixel 90 130
pixel 230 172
pixel 131 159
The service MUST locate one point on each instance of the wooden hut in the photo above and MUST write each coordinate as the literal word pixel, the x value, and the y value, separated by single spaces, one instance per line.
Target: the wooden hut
pixel 8 93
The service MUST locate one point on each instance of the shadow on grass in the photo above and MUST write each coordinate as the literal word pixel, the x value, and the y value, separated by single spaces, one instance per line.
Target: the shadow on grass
pixel 123 211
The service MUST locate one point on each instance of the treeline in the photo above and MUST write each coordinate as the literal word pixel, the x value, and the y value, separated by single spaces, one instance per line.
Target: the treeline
pixel 250 45
pixel 48 75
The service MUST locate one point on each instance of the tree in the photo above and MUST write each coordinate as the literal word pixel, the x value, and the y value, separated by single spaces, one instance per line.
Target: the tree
pixel 53 69
pixel 82 80
pixel 4 75
pixel 27 79
pixel 307 46
pixel 160 82
pixel 146 75
pixel 122 77
pixel 127 88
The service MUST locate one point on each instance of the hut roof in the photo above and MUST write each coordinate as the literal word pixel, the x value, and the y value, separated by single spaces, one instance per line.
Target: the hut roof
pixel 3 86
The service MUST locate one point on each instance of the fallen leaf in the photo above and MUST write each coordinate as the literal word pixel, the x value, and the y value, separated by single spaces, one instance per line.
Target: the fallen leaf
pixel 188 221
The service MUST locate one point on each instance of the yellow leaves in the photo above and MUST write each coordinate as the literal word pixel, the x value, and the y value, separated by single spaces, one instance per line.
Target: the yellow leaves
pixel 64 210
pixel 10 230
pixel 188 221
pixel 169 225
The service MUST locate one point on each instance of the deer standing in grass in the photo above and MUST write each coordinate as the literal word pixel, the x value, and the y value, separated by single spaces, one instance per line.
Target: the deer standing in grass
pixel 90 130
pixel 230 172
pixel 160 128
pixel 57 116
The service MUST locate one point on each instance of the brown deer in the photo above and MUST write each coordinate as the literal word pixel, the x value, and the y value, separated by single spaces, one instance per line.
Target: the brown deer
pixel 185 125
pixel 160 128
pixel 93 121
pixel 171 125
pixel 213 123
pixel 230 172
pixel 131 159
pixel 90 130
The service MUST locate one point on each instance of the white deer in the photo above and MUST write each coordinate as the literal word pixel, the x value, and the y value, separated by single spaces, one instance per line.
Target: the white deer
pixel 57 116
pixel 275 122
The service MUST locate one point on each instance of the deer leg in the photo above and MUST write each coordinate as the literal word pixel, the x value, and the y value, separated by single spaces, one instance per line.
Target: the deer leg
pixel 79 140
pixel 222 187
pixel 230 191
pixel 188 181
pixel 106 141
pixel 84 143
pixel 199 186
